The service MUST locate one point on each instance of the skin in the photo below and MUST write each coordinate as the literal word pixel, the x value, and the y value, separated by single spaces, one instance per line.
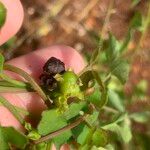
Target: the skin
pixel 31 63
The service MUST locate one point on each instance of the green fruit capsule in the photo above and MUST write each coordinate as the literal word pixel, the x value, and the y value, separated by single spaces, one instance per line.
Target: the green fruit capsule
pixel 3 13
pixel 69 85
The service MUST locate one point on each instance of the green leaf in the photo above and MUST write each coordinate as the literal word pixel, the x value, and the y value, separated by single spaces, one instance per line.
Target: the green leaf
pixel 95 97
pixel 100 138
pixel 126 131
pixel 33 135
pixel 1 62
pixel 123 130
pixel 112 50
pixel 3 144
pixel 3 13
pixel 62 139
pixel 51 121
pixel 81 133
pixel 73 110
pixel 12 136
pixel 115 100
pixel 92 119
pixel 86 77
pixel 84 135
pixel 126 41
pixel 136 21
pixel 135 2
pixel 104 99
pixel 42 146
pixel 85 147
pixel 141 117
pixel 120 69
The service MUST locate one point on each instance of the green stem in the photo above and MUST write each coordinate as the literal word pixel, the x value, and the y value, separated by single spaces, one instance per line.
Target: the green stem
pixel 100 45
pixel 20 110
pixel 21 72
pixel 56 133
pixel 12 81
pixel 109 109
pixel 7 89
pixel 12 109
pixel 98 79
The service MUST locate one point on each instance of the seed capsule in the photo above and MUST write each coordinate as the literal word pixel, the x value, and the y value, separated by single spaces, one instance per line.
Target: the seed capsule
pixel 48 82
pixel 3 13
pixel 54 66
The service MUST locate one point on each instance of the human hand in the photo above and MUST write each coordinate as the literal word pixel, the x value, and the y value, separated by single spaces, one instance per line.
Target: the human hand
pixel 31 63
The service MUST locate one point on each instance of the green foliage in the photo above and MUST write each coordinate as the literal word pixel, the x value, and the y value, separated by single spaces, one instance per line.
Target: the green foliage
pixel 141 117
pixel 3 13
pixel 12 136
pixel 115 100
pixel 62 139
pixel 1 62
pixel 73 110
pixel 121 127
pixel 92 119
pixel 77 110
pixel 84 135
pixel 120 69
pixel 50 122
pixel 100 138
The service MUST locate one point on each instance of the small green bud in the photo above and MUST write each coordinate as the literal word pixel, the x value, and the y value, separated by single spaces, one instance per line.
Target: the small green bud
pixel 3 13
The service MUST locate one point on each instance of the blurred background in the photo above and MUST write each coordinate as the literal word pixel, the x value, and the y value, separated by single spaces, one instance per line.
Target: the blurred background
pixel 78 23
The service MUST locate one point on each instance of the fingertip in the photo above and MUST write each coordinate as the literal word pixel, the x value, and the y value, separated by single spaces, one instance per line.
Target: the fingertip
pixel 14 19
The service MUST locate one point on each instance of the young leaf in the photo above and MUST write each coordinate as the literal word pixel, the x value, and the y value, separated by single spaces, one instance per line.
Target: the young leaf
pixel 126 41
pixel 120 69
pixel 92 119
pixel 95 97
pixel 12 136
pixel 1 62
pixel 115 100
pixel 73 110
pixel 3 13
pixel 141 117
pixel 104 99
pixel 3 144
pixel 51 121
pixel 85 78
pixel 126 133
pixel 82 133
pixel 112 50
pixel 123 130
pixel 85 147
pixel 62 139
pixel 100 138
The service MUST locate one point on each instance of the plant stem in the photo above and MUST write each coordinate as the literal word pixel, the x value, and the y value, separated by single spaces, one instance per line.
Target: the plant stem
pixel 12 109
pixel 98 79
pixel 109 109
pixel 94 58
pixel 21 72
pixel 20 110
pixel 56 133
pixel 7 89
pixel 12 81
pixel 145 28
